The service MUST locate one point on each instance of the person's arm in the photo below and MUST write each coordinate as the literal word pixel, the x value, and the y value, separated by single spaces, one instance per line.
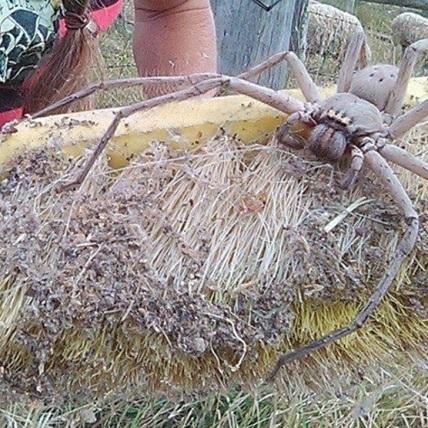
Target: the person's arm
pixel 174 37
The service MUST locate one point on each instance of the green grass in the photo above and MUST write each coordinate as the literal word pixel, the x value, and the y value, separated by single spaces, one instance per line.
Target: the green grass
pixel 116 48
pixel 374 16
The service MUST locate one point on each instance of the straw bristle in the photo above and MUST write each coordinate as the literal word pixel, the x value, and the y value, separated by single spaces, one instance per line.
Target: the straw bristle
pixel 192 270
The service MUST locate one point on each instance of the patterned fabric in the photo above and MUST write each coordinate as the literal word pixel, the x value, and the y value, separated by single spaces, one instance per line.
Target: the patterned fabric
pixel 27 30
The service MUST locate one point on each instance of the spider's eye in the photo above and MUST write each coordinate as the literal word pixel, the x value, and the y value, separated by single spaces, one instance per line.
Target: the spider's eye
pixel 371 75
pixel 381 80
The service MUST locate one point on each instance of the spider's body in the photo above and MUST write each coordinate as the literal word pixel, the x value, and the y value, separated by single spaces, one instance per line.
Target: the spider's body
pixel 341 121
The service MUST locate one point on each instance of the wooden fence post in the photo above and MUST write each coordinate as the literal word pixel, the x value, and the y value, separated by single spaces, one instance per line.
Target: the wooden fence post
pixel 350 6
pixel 248 34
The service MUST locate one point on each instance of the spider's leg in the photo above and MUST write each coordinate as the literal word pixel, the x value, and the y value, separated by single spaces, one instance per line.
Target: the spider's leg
pixel 357 160
pixel 407 65
pixel 283 135
pixel 198 89
pixel 309 89
pixel 177 81
pixel 282 102
pixel 408 120
pixel 404 247
pixel 381 168
pixel 304 80
pixel 353 53
pixel 405 159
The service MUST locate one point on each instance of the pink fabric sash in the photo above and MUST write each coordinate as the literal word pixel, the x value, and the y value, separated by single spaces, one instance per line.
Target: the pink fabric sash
pixel 8 116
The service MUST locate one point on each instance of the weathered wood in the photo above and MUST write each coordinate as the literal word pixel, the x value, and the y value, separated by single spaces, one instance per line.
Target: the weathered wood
pixel 248 34
pixel 415 4
pixel 350 6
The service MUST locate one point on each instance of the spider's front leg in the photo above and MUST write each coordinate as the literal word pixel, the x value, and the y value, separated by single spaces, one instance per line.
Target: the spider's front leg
pixel 310 91
pixel 357 160
pixel 144 82
pixel 281 102
pixel 289 139
pixel 298 70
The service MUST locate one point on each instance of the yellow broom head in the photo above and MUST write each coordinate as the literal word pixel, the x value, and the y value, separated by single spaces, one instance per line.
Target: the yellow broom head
pixel 192 269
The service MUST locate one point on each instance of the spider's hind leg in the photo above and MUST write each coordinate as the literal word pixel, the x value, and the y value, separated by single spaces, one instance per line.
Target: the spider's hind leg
pixel 408 120
pixel 405 159
pixel 381 168
pixel 407 65
pixel 356 48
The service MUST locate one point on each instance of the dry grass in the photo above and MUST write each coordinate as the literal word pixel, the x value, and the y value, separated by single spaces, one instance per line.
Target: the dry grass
pixel 390 398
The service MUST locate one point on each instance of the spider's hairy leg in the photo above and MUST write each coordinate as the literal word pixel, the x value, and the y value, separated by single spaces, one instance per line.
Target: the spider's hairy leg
pixel 285 138
pixel 309 89
pixel 353 53
pixel 357 160
pixel 405 159
pixel 198 89
pixel 381 168
pixel 282 102
pixel 304 80
pixel 178 81
pixel 386 175
pixel 408 120
pixel 407 65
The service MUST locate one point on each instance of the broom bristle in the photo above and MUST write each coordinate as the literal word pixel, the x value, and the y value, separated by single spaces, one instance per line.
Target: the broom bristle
pixel 191 270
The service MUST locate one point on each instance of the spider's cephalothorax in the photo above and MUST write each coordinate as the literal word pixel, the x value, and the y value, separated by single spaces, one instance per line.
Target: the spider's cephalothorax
pixel 342 120
pixel 339 123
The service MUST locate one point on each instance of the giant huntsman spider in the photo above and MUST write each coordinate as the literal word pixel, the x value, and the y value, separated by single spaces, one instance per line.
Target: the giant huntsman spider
pixel 360 121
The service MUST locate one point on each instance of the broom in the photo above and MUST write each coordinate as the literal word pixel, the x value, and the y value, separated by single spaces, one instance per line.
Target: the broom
pixel 194 265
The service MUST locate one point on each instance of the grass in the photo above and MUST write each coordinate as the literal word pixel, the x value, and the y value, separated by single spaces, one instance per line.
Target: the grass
pixel 392 400
pixel 391 396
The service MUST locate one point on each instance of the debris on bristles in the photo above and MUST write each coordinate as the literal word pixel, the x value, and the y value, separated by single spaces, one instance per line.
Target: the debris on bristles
pixel 190 270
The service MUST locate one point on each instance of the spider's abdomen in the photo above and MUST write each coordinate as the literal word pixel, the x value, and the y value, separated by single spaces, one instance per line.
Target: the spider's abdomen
pixel 347 112
pixel 375 84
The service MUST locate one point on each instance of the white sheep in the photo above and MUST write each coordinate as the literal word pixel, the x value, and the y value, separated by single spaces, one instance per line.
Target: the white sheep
pixel 329 31
pixel 407 28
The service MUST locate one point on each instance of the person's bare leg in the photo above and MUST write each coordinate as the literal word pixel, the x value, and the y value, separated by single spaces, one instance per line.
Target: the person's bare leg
pixel 173 37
